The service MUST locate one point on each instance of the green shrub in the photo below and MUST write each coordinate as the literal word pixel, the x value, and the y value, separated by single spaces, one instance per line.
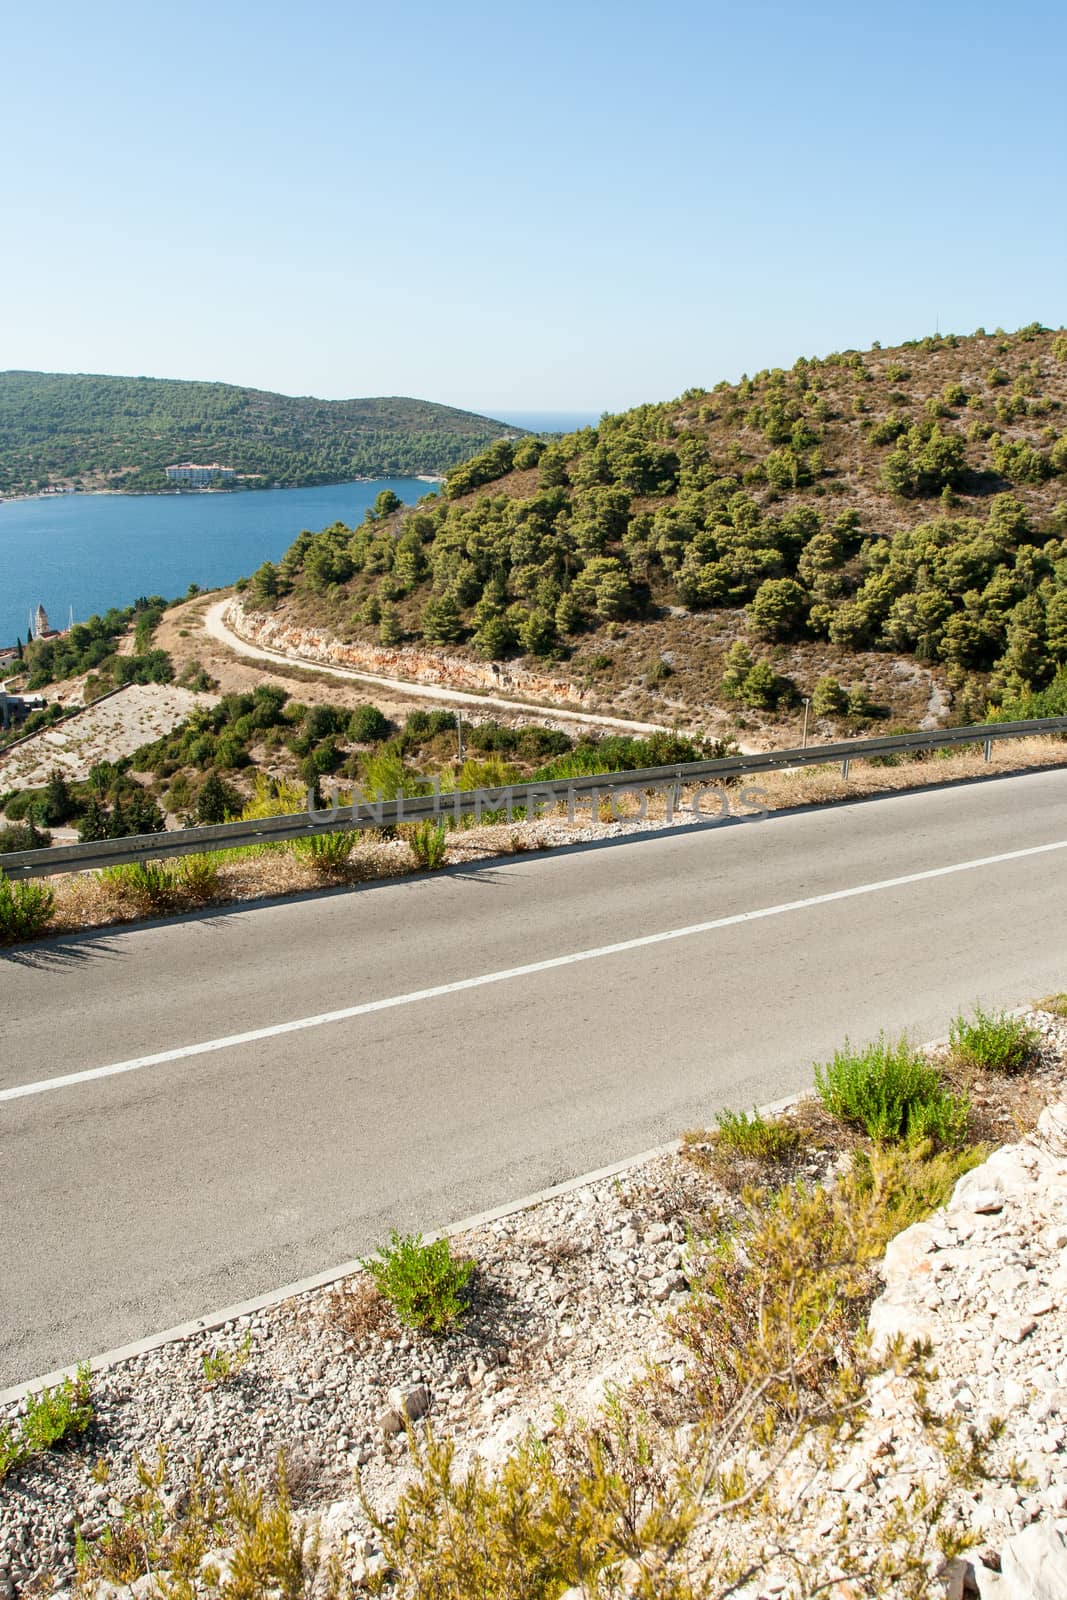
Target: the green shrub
pixel 993 1040
pixel 891 1092
pixel 422 1282
pixel 23 836
pixel 429 845
pixel 22 805
pixel 754 1137
pixel 216 801
pixel 160 886
pixel 327 853
pixel 198 878
pixel 52 1416
pixel 26 909
pixel 828 698
pixel 144 885
pixel 368 725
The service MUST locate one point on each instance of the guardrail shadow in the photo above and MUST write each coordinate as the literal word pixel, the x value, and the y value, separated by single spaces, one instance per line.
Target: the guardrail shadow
pixel 63 951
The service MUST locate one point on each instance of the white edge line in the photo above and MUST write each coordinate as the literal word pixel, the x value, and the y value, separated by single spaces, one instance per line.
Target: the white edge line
pixel 348 1269
pixel 644 941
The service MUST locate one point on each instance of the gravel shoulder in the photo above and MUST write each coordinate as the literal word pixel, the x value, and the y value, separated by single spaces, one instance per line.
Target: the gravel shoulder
pixel 572 1297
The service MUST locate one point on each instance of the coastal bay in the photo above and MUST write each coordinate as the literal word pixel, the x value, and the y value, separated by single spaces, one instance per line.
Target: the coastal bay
pixel 92 551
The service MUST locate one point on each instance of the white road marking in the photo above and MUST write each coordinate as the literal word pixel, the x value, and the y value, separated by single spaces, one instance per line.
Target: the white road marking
pixel 299 1024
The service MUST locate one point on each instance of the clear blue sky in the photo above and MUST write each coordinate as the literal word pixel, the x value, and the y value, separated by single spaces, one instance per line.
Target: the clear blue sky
pixel 572 206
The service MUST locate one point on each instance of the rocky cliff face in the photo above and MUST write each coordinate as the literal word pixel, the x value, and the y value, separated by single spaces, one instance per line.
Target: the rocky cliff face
pixel 407 662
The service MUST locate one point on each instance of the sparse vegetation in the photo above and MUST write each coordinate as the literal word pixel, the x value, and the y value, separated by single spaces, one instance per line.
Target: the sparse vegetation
pixel 775 1325
pixel 755 1137
pixel 182 883
pixel 51 1417
pixel 772 499
pixel 773 1313
pixel 219 1366
pixel 267 1547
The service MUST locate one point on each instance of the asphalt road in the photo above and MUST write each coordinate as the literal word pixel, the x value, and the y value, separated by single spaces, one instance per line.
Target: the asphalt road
pixel 133 1201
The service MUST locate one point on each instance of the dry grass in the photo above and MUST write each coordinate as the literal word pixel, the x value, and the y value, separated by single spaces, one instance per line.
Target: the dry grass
pixel 358 1309
pixel 817 785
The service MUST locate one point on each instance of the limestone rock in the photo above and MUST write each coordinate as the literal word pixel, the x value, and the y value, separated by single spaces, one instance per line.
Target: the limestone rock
pixel 412 1402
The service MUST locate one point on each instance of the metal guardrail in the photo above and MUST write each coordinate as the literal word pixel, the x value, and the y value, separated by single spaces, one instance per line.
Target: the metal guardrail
pixel 523 797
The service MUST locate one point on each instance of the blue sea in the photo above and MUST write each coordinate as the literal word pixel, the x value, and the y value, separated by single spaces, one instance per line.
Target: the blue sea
pixel 90 551
pixel 548 421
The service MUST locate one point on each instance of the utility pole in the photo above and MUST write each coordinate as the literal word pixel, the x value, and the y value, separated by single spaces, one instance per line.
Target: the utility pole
pixel 804 741
pixel 459 735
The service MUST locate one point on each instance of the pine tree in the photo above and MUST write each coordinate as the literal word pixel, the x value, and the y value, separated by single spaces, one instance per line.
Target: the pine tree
pixel 95 824
pixel 142 814
pixel 56 805
pixel 214 803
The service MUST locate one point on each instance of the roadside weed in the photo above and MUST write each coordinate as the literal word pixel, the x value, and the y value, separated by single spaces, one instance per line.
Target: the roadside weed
pixel 892 1092
pixel 993 1040
pixel 51 1416
pixel 421 1281
pixel 158 886
pixel 754 1137
pixel 326 853
pixel 26 908
pixel 220 1365
pixel 428 845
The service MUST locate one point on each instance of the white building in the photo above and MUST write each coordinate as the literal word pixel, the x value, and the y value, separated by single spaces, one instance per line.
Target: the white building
pixel 199 477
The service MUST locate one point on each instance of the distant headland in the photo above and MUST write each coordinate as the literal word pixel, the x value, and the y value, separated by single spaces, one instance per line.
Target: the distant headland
pixel 82 431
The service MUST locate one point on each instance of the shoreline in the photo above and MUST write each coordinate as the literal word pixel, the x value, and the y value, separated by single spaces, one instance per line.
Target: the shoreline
pixel 151 494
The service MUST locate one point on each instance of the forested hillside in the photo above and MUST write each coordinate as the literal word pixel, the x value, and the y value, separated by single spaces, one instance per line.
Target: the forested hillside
pixel 862 521
pixel 87 431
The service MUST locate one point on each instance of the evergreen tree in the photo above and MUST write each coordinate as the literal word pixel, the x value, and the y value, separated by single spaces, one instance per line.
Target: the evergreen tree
pixel 217 801
pixel 56 805
pixel 95 823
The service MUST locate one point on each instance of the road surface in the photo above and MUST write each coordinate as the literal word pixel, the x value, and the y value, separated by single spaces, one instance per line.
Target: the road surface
pixel 546 1015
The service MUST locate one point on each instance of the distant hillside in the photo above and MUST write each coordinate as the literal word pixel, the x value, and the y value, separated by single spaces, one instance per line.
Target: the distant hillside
pixel 885 528
pixel 88 431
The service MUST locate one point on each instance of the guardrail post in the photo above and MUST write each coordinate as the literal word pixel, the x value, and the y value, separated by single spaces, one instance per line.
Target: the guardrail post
pixel 844 767
pixel 989 749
